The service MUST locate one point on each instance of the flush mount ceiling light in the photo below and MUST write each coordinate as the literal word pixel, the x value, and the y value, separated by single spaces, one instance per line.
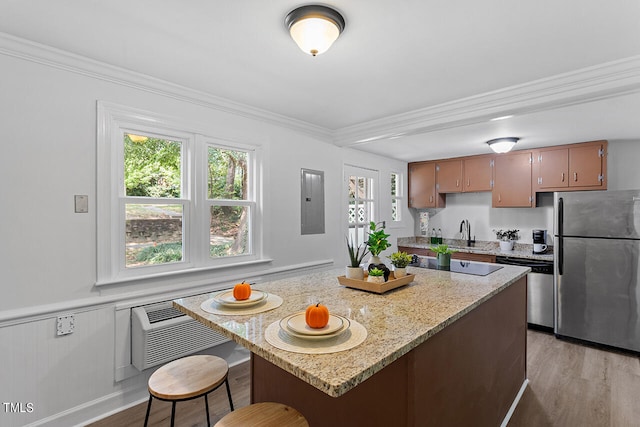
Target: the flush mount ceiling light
pixel 502 145
pixel 314 28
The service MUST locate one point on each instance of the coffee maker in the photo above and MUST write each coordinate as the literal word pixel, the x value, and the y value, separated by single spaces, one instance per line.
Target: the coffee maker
pixel 539 241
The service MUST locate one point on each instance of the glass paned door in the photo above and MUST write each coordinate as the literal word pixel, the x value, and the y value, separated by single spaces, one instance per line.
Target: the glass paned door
pixel 361 202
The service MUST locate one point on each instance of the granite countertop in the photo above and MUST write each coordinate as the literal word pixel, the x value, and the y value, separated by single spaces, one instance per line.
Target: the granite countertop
pixel 520 250
pixel 396 321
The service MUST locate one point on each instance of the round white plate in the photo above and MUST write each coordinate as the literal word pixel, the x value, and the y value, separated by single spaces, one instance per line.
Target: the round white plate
pixel 345 326
pixel 298 324
pixel 227 299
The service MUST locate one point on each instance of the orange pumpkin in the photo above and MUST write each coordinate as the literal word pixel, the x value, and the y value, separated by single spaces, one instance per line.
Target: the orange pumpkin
pixel 317 316
pixel 242 291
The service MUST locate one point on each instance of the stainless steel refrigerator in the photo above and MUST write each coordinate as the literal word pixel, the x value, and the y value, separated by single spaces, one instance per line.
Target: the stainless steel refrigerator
pixel 597 258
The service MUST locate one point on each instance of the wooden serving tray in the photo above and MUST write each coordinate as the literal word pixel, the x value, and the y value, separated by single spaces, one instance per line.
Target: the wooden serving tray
pixel 378 288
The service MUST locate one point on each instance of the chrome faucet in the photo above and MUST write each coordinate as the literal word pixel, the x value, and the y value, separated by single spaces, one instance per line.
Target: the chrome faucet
pixel 465 230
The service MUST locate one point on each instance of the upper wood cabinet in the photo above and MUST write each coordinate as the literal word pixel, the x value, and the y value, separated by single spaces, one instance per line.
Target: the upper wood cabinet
pixel 478 173
pixel 449 176
pixel 422 186
pixel 573 167
pixel 512 180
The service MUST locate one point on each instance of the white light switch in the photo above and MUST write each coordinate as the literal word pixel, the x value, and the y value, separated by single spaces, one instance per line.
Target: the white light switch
pixel 65 324
pixel 82 203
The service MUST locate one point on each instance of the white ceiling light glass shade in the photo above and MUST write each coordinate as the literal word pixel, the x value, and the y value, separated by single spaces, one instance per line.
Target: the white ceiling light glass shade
pixel 314 28
pixel 502 145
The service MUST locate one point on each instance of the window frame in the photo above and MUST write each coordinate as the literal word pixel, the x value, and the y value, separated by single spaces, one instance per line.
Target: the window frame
pixel 398 197
pixel 116 120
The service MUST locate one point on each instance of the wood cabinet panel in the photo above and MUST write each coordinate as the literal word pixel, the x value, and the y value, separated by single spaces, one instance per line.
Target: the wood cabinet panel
pixel 449 176
pixel 422 186
pixel 478 173
pixel 571 167
pixel 512 180
pixel 586 166
pixel 553 168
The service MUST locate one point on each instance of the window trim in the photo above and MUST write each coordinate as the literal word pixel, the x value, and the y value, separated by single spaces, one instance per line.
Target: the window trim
pixel 399 197
pixel 113 121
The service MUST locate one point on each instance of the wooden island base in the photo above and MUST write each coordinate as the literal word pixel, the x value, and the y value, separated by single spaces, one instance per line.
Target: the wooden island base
pixel 469 373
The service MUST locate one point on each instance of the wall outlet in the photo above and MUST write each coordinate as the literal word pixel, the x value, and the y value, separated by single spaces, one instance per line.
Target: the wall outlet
pixel 65 324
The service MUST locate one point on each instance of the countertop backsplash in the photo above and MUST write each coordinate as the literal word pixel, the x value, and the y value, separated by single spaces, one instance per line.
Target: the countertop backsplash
pixel 520 250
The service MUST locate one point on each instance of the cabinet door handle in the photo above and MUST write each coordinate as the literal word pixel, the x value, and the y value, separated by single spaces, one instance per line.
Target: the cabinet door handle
pixel 457 183
pixel 499 197
pixel 575 176
pixel 430 198
pixel 468 182
pixel 562 177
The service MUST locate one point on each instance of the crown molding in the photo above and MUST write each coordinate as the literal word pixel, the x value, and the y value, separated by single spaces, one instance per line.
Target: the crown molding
pixel 602 81
pixel 56 58
pixel 585 85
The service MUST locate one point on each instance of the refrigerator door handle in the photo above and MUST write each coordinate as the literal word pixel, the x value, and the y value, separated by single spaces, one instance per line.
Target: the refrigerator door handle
pixel 560 234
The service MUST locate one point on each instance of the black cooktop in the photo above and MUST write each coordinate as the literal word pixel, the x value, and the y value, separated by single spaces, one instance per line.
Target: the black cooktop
pixel 459 266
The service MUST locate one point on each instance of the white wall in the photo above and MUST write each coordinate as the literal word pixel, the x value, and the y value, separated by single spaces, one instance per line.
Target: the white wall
pixel 623 174
pixel 48 252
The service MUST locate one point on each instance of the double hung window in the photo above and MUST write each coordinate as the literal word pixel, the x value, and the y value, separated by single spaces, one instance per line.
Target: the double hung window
pixel 171 199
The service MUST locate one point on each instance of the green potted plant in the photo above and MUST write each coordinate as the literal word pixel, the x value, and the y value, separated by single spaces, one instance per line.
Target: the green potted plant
pixel 356 255
pixel 377 241
pixel 444 255
pixel 507 238
pixel 400 260
pixel 376 276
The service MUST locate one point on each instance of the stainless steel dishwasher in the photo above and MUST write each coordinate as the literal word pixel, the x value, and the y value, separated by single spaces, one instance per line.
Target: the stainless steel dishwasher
pixel 540 294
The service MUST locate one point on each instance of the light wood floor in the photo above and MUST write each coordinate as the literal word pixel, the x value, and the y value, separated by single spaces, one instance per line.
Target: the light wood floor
pixel 571 385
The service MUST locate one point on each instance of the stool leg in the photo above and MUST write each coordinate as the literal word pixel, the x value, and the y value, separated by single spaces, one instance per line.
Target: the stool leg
pixel 229 393
pixel 146 418
pixel 173 413
pixel 206 406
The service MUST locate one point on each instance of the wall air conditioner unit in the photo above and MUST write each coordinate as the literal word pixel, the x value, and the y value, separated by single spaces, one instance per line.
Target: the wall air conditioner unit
pixel 161 333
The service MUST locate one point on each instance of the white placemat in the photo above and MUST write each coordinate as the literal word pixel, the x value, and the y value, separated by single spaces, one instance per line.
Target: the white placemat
pixel 272 301
pixel 354 336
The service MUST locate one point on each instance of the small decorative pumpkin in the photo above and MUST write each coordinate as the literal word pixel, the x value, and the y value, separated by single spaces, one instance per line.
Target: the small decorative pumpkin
pixel 242 291
pixel 317 316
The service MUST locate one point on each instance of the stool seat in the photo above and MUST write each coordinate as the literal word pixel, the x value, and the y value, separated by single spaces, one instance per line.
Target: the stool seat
pixel 264 414
pixel 188 377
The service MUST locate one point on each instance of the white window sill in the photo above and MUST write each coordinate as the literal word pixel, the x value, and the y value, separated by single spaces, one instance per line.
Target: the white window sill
pixel 181 272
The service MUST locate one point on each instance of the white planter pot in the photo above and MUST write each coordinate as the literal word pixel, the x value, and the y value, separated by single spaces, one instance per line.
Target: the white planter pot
pixel 374 260
pixel 375 279
pixel 506 245
pixel 399 272
pixel 356 273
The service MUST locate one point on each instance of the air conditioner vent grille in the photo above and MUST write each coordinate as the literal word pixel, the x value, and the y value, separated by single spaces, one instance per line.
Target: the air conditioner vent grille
pixel 164 314
pixel 161 333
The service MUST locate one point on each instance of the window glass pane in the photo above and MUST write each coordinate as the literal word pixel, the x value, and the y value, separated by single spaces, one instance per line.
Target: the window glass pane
pixel 394 184
pixel 395 212
pixel 152 167
pixel 153 234
pixel 362 188
pixel 352 187
pixel 229 231
pixel 352 212
pixel 227 174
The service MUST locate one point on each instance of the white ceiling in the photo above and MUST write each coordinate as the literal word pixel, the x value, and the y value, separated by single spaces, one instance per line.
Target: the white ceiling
pixel 434 71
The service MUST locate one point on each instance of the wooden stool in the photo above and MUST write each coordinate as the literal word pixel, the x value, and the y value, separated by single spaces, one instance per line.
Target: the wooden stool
pixel 264 414
pixel 188 378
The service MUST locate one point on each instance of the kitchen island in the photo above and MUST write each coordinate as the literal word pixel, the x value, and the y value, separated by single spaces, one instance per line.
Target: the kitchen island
pixel 447 349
